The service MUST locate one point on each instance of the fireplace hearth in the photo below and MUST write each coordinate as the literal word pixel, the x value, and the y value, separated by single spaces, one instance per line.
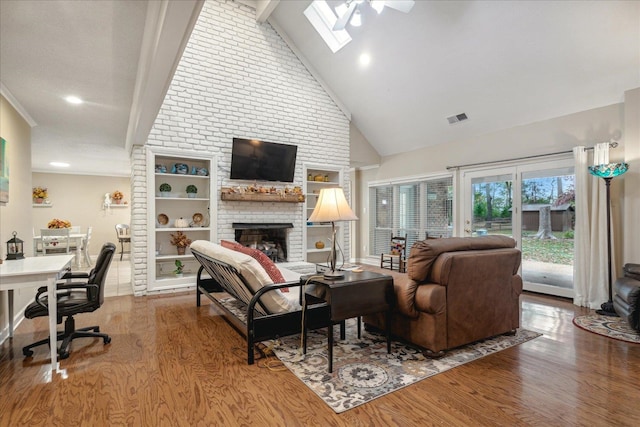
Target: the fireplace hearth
pixel 270 238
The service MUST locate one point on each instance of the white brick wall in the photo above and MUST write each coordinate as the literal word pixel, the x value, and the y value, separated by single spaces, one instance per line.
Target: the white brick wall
pixel 238 78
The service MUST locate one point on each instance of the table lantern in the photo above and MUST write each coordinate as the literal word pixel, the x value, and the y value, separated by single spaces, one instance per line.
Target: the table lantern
pixel 15 248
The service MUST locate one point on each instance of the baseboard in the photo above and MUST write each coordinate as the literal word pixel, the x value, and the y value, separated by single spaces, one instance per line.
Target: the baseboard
pixel 4 334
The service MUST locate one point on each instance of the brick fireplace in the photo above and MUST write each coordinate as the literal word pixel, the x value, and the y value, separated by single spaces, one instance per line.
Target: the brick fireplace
pixel 270 238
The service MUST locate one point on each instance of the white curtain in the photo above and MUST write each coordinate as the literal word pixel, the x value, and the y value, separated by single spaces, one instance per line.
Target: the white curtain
pixel 591 286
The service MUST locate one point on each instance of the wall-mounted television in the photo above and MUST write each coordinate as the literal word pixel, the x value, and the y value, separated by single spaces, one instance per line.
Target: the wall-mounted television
pixel 252 159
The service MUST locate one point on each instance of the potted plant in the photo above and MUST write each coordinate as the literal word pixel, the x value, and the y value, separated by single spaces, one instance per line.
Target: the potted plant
pixel 180 241
pixel 179 267
pixel 39 194
pixel 117 197
pixel 165 189
pixel 192 190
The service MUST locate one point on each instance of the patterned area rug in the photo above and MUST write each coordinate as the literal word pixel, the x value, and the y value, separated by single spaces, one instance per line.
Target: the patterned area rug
pixel 611 327
pixel 362 369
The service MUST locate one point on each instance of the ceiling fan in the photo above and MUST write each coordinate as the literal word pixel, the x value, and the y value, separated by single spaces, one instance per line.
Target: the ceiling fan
pixel 348 10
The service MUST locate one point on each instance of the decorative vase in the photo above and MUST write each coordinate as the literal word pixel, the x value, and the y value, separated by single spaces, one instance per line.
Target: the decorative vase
pixel 181 250
pixel 39 200
pixel 164 194
pixel 191 195
pixel 118 201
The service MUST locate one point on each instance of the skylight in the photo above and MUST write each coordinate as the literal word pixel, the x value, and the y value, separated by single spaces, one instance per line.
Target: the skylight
pixel 323 19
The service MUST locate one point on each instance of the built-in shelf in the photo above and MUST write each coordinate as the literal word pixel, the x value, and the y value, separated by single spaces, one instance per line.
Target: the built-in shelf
pixel 119 206
pixel 183 199
pixel 177 204
pixel 42 205
pixel 181 175
pixel 184 229
pixel 262 197
pixel 317 251
pixel 163 257
pixel 314 232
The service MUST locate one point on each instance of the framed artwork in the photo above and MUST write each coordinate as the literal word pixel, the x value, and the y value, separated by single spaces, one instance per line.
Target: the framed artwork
pixel 4 172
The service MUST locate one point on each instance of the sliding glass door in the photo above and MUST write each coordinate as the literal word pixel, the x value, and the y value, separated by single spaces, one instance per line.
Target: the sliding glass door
pixel 533 204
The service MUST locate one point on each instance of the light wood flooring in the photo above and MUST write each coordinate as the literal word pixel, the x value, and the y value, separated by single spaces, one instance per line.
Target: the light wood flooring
pixel 173 364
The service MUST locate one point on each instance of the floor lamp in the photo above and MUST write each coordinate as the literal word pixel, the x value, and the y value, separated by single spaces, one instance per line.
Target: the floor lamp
pixel 332 206
pixel 608 172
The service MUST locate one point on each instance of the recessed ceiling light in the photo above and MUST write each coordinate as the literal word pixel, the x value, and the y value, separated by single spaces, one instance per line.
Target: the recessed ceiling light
pixel 59 164
pixel 73 100
pixel 365 59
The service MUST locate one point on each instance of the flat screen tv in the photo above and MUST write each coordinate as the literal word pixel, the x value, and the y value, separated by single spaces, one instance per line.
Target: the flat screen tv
pixel 262 161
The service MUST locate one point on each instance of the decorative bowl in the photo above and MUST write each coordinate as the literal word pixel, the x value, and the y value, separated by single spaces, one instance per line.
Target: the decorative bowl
pixel 163 219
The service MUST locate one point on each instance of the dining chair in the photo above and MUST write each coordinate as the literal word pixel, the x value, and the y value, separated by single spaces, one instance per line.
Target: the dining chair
pixel 55 241
pixel 122 231
pixel 37 243
pixel 85 246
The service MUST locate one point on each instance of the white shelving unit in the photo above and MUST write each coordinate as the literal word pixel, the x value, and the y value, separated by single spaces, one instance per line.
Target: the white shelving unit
pixel 161 255
pixel 331 177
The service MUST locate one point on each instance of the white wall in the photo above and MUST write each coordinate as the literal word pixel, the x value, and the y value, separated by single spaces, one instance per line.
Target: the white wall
pixel 15 215
pixel 550 136
pixel 78 199
pixel 631 222
pixel 238 78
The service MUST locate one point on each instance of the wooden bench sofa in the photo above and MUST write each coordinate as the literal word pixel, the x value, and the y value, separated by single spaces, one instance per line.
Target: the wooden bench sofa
pixel 267 312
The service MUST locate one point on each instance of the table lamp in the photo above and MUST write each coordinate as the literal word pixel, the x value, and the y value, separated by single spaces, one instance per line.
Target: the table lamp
pixel 332 206
pixel 608 171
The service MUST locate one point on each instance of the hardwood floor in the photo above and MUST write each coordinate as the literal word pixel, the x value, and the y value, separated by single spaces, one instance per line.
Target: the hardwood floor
pixel 173 364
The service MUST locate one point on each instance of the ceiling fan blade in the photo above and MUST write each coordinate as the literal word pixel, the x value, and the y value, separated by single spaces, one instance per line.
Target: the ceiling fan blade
pixel 342 20
pixel 401 5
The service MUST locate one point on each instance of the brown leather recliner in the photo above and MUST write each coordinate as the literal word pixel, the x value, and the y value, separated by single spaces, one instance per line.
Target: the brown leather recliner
pixel 627 299
pixel 457 291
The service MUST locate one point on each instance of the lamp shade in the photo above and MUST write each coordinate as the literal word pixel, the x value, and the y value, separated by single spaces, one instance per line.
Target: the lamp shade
pixel 332 206
pixel 608 170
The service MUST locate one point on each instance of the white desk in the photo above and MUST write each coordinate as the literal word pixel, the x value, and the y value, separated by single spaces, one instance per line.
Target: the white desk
pixel 33 272
pixel 75 239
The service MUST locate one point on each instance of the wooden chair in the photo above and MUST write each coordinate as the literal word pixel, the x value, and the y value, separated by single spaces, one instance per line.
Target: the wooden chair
pixel 55 241
pixel 122 231
pixel 397 254
pixel 85 246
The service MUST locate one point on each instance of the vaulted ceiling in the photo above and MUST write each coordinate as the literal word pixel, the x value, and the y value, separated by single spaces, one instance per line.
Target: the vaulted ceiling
pixel 504 64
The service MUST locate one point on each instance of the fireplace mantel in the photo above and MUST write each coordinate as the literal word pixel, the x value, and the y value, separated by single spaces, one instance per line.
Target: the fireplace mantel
pixel 262 197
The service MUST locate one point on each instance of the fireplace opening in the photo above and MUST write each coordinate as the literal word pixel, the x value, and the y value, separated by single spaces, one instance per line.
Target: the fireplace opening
pixel 270 238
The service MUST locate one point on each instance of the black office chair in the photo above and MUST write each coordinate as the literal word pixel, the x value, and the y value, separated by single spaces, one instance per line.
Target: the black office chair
pixel 80 293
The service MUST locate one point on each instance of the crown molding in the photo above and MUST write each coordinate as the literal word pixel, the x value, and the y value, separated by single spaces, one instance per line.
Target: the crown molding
pixel 15 104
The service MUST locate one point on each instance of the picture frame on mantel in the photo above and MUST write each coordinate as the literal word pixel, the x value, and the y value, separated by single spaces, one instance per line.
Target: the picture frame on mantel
pixel 4 172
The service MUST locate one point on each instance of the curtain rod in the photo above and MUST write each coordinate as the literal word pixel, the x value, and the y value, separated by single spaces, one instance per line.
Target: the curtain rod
pixel 612 144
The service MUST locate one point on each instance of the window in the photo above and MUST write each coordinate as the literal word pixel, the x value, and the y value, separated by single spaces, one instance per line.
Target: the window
pixel 417 209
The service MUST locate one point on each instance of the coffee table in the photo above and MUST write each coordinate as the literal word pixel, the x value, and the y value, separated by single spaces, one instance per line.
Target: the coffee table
pixel 354 295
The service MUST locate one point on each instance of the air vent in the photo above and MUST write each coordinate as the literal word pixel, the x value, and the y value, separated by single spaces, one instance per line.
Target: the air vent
pixel 457 118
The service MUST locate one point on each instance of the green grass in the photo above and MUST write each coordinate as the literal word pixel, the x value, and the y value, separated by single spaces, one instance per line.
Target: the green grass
pixel 559 251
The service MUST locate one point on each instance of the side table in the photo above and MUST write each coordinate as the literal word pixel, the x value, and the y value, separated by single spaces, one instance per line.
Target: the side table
pixel 354 295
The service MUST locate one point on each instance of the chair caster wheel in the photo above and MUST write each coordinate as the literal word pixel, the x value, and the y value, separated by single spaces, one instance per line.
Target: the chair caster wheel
pixel 107 340
pixel 27 353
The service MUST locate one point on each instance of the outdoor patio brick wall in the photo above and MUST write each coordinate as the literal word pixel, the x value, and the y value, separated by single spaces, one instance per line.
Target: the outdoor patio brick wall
pixel 238 78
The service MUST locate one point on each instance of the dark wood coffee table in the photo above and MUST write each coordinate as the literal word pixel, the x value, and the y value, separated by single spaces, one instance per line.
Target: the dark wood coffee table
pixel 354 295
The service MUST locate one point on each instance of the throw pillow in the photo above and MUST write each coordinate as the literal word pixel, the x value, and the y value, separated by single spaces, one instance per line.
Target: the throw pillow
pixel 263 260
pixel 256 277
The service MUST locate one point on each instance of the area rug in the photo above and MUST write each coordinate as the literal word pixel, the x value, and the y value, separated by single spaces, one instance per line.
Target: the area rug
pixel 611 327
pixel 362 369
